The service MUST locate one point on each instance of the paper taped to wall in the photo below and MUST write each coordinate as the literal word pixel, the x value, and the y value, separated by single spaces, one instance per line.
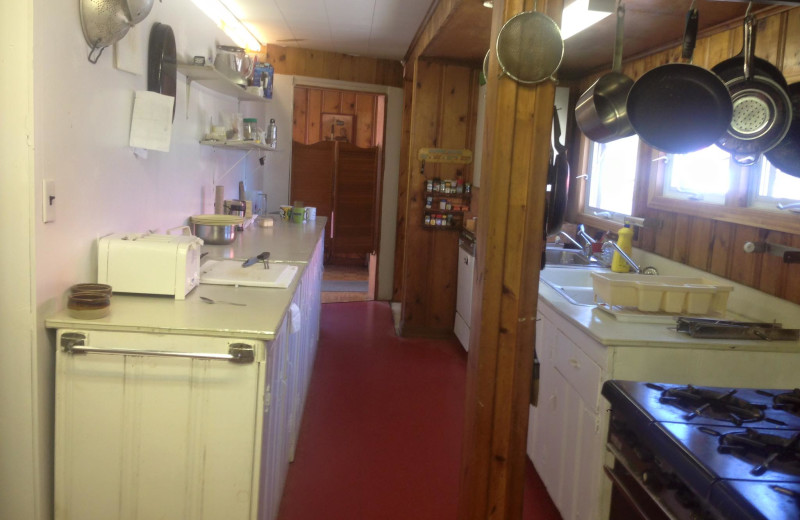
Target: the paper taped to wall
pixel 151 124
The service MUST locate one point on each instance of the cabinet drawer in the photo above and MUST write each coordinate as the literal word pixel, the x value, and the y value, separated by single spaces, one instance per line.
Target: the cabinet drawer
pixel 578 369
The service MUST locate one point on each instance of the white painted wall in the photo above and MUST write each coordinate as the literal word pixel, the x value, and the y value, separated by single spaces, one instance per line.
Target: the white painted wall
pixel 20 485
pixel 68 120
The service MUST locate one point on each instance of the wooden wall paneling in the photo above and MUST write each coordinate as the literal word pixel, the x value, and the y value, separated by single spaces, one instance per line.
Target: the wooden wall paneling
pixel 418 272
pixel 680 241
pixel 769 38
pixel 332 101
pixel 719 48
pixel 300 115
pixel 744 267
pixel 402 190
pixel 721 245
pixel 337 66
pixel 456 99
pixel 348 105
pixel 700 243
pixel 666 234
pixel 365 117
pixel 791 55
pixel 772 276
pixel 313 132
pixel 792 289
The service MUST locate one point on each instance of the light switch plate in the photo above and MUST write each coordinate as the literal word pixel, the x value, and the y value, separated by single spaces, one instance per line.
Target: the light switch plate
pixel 48 200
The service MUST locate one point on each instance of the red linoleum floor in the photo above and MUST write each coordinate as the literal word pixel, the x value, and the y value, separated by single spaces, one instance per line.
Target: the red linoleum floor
pixel 381 432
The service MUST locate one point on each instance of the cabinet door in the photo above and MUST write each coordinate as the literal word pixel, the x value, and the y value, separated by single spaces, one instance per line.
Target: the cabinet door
pixel 142 437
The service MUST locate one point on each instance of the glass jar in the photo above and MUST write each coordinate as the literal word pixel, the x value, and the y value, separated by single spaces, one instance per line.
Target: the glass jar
pixel 250 128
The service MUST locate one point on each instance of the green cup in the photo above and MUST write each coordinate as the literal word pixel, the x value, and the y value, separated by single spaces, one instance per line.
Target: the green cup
pixel 298 214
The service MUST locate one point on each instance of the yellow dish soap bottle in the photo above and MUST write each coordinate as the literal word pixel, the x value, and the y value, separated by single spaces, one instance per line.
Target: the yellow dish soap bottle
pixel 625 242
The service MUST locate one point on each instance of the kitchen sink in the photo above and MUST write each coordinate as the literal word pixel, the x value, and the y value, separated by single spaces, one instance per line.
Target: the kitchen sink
pixel 574 285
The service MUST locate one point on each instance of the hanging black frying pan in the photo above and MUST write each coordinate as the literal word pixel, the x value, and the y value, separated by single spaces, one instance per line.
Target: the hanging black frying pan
pixel 762 110
pixel 558 178
pixel 162 62
pixel 786 156
pixel 680 107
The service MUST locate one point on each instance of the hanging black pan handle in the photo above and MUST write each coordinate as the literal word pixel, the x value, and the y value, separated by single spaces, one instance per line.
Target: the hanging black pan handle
pixel 749 46
pixel 690 33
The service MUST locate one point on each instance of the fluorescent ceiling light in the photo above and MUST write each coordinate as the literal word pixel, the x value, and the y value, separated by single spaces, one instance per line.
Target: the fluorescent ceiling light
pixel 576 17
pixel 221 15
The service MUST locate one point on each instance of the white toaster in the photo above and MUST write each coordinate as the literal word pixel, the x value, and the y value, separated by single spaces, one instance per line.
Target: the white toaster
pixel 147 263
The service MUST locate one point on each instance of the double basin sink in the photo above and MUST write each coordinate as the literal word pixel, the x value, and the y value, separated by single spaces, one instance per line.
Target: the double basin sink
pixel 569 273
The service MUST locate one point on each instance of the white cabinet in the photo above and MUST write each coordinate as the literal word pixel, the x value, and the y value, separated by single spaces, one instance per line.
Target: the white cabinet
pixel 148 436
pixel 565 442
pixel 158 424
pixel 466 270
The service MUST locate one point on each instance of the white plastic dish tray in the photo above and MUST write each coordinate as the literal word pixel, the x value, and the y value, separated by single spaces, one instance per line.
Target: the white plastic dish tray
pixel 671 294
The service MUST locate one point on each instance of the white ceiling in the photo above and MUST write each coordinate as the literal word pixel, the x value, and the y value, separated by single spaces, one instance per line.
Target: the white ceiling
pixel 377 28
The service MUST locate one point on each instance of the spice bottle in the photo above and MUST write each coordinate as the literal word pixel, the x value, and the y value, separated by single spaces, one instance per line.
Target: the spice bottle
pixel 272 134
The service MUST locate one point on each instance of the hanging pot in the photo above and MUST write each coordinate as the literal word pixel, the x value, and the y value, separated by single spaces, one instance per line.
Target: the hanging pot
pixel 762 110
pixel 558 178
pixel 529 47
pixel 786 155
pixel 601 111
pixel 162 62
pixel 680 107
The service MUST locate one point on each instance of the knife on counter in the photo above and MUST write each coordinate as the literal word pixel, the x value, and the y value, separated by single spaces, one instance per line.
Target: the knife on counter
pixel 263 257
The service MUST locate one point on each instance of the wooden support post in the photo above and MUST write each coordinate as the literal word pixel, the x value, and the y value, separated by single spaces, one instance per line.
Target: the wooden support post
pixel 510 238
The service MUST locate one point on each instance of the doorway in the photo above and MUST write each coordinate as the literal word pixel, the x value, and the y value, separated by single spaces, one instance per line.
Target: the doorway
pixel 337 166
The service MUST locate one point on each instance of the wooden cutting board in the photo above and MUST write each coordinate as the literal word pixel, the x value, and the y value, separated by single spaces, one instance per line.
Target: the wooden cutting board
pixel 231 272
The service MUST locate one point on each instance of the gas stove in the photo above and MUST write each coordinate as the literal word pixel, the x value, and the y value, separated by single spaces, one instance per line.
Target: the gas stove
pixel 706 453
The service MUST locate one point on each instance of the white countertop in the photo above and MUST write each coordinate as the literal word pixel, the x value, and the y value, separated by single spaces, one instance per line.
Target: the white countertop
pixel 259 319
pixel 607 330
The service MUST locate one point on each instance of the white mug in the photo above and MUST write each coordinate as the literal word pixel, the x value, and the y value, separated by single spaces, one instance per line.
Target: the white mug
pixel 311 213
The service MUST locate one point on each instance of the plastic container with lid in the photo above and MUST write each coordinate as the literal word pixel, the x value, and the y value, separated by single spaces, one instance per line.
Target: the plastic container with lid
pixel 250 128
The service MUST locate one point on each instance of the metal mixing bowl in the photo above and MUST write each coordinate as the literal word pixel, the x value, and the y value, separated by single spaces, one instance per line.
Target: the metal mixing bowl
pixel 215 234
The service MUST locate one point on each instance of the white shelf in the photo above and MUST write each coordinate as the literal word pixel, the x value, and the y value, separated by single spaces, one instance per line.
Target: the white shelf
pixel 237 145
pixel 211 78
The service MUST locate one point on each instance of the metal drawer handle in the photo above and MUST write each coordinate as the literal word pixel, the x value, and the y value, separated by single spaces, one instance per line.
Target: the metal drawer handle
pixel 74 343
pixel 574 363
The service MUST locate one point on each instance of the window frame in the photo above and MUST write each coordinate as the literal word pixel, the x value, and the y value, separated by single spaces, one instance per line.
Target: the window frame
pixel 648 197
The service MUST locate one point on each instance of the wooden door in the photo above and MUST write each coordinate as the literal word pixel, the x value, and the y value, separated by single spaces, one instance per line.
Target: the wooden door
pixel 355 221
pixel 313 173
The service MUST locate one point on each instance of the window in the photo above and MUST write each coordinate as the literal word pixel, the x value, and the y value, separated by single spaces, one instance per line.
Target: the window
pixel 612 172
pixel 702 175
pixel 774 186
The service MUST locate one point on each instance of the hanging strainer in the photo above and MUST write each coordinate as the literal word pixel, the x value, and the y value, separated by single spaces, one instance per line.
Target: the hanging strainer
pixel 137 10
pixel 530 47
pixel 104 23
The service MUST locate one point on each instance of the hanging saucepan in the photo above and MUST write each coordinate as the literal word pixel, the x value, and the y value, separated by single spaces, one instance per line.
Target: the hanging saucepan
pixel 485 71
pixel 680 107
pixel 786 156
pixel 601 111
pixel 104 23
pixel 762 110
pixel 529 47
pixel 558 178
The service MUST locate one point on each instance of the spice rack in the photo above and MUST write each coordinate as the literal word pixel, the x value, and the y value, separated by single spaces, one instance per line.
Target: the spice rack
pixel 446 201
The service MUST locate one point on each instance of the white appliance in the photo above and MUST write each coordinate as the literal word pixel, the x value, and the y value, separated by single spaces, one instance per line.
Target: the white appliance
pixel 148 263
pixel 466 269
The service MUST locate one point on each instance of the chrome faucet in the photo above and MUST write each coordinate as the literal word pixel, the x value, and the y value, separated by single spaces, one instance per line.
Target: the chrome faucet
pixel 572 240
pixel 585 236
pixel 625 256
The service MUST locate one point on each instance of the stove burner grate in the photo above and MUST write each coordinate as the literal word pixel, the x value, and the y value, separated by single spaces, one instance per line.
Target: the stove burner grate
pixel 766 451
pixel 788 402
pixel 712 404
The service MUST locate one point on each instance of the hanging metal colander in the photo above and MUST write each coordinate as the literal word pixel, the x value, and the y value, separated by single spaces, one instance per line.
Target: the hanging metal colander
pixel 529 47
pixel 104 23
